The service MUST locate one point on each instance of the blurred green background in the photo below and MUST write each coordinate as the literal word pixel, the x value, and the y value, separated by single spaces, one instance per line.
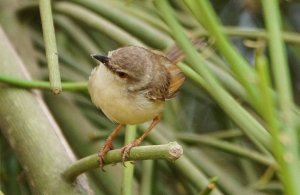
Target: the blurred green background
pixel 237 115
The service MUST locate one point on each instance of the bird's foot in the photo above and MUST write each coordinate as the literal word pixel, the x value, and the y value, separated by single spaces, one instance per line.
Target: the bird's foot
pixel 103 151
pixel 125 150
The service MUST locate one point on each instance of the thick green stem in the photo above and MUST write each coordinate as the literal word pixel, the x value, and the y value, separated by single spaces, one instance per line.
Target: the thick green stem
pixel 171 151
pixel 33 134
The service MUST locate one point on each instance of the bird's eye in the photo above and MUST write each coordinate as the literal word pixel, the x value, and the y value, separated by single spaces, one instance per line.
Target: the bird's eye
pixel 122 74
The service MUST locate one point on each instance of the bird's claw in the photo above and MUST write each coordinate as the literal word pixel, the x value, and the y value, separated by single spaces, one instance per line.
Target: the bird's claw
pixel 103 151
pixel 125 151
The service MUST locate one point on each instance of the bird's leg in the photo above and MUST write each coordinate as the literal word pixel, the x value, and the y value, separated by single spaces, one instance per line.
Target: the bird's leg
pixel 126 149
pixel 107 145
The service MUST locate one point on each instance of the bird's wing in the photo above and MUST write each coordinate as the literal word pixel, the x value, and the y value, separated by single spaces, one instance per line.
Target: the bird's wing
pixel 175 77
pixel 159 86
pixel 170 81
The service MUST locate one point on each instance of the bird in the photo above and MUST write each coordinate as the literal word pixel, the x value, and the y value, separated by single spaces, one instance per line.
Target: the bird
pixel 130 85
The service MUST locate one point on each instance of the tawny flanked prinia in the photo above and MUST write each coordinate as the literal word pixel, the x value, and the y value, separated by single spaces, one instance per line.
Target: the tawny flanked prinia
pixel 130 86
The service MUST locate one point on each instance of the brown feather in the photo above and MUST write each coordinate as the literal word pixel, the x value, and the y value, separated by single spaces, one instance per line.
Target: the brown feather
pixel 170 81
pixel 177 79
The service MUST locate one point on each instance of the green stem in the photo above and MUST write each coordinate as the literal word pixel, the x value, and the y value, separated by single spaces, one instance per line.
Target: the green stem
pixel 204 13
pixel 50 45
pixel 227 147
pixel 278 58
pixel 256 132
pixel 68 86
pixel 170 151
pixel 128 169
pixel 284 134
pixel 147 177
pixel 34 136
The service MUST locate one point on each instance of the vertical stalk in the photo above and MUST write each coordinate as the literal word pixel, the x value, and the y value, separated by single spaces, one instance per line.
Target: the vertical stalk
pixel 287 135
pixel 147 177
pixel 130 134
pixel 50 45
pixel 269 112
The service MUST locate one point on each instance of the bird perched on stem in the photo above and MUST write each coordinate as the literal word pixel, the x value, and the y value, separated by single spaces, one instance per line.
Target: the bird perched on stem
pixel 130 86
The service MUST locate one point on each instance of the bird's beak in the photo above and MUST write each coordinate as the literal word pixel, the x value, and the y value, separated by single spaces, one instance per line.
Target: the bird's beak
pixel 103 59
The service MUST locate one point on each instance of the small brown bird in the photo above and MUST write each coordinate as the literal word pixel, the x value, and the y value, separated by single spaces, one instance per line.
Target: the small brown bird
pixel 130 86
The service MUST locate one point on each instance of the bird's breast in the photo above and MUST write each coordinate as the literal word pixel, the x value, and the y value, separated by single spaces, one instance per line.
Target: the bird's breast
pixel 117 103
